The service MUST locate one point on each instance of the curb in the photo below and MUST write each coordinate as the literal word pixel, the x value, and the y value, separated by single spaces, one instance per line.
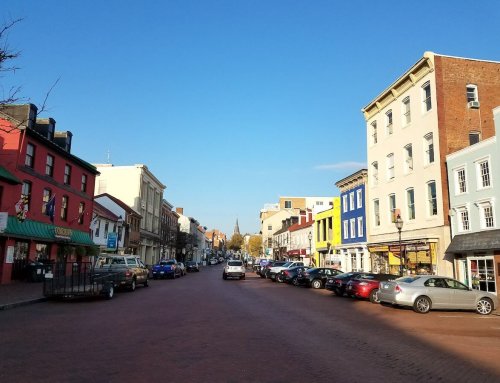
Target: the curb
pixel 21 303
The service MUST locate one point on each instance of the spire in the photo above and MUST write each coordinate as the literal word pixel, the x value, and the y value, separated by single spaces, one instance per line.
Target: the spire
pixel 236 228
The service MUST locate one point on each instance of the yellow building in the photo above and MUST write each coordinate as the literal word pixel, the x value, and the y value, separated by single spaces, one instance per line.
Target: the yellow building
pixel 327 235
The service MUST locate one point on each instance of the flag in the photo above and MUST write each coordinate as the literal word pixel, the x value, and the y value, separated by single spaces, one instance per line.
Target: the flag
pixel 22 208
pixel 50 207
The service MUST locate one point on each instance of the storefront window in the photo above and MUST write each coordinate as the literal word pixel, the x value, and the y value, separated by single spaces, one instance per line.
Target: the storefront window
pixel 20 260
pixel 42 252
pixel 482 273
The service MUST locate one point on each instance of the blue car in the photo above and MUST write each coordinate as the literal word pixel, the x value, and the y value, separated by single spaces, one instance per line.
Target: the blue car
pixel 166 269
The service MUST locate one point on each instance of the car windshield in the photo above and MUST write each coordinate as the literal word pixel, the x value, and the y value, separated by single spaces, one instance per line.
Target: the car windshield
pixel 166 263
pixel 235 263
pixel 286 264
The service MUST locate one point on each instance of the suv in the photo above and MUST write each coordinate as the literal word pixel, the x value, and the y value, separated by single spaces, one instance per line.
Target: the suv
pixel 130 266
pixel 234 268
pixel 279 266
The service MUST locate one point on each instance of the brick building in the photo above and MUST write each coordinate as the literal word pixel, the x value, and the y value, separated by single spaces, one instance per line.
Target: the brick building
pixel 46 194
pixel 440 105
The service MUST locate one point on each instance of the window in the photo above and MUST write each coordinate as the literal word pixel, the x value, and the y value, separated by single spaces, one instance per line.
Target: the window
pixel 98 229
pixel 106 229
pixel 30 156
pixel 47 193
pixel 359 197
pixel 269 227
pixel 406 112
pixel 410 201
pixel 351 201
pixel 64 208
pixel 408 164
pixel 353 227
pixel 486 215
pixel 375 173
pixel 460 181
pixel 49 166
pixel 463 219
pixel 360 227
pixel 429 148
pixel 374 132
pixel 426 97
pixel 484 174
pixel 84 183
pixel 474 137
pixel 390 166
pixel 344 203
pixel 81 212
pixel 26 192
pixel 392 207
pixel 346 229
pixel 471 93
pixel 432 198
pixel 388 119
pixel 376 212
pixel 288 204
pixel 67 174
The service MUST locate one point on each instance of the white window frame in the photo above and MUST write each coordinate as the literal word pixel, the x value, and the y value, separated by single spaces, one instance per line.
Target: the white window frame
pixel 474 133
pixel 471 93
pixel 344 203
pixel 352 227
pixel 376 212
pixel 406 111
pixel 430 207
pixel 463 216
pixel 375 173
pixel 360 227
pixel 479 175
pixel 428 144
pixel 346 229
pixel 374 134
pixel 457 180
pixel 351 201
pixel 390 166
pixel 408 163
pixel 359 198
pixel 410 205
pixel 486 205
pixel 426 98
pixel 392 206
pixel 389 122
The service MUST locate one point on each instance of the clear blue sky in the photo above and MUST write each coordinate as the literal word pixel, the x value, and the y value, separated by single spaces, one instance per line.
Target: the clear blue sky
pixel 231 103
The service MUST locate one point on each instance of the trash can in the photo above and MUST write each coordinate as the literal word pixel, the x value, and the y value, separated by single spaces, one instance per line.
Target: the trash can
pixel 36 272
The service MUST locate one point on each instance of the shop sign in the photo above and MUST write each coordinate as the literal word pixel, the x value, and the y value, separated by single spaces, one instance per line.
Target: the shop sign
pixel 422 247
pixel 62 232
pixel 378 249
pixel 396 249
pixel 4 216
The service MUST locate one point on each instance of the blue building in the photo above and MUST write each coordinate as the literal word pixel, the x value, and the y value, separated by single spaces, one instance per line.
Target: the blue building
pixel 353 250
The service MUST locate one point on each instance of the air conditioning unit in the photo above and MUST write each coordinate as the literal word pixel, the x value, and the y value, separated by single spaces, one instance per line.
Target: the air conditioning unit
pixel 473 104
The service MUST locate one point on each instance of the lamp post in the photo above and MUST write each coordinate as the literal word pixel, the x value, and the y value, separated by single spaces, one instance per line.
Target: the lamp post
pixel 310 237
pixel 119 225
pixel 399 226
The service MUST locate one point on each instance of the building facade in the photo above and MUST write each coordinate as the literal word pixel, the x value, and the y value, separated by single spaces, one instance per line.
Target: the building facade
pixel 432 110
pixel 169 229
pixel 327 236
pixel 46 194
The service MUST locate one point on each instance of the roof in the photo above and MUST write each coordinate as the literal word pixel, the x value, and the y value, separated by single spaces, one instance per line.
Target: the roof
pixel 8 177
pixel 119 202
pixel 103 212
pixel 479 241
pixel 299 226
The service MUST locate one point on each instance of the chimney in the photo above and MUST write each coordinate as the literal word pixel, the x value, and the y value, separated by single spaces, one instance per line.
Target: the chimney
pixel 63 139
pixel 179 210
pixel 303 217
pixel 46 127
pixel 310 214
pixel 24 114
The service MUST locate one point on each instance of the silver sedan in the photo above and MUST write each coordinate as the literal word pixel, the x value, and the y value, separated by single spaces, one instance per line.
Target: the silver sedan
pixel 426 292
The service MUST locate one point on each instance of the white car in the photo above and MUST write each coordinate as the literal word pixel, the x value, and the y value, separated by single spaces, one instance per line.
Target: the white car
pixel 234 269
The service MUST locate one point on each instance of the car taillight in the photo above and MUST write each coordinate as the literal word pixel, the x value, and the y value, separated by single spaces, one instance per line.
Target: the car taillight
pixel 286 273
pixel 128 273
pixel 398 289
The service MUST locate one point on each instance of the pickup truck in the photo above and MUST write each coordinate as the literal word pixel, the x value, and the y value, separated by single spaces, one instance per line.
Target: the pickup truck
pixel 167 268
pixel 130 269
pixel 275 270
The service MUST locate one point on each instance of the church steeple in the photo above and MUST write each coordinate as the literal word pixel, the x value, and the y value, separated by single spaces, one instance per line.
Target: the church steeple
pixel 236 227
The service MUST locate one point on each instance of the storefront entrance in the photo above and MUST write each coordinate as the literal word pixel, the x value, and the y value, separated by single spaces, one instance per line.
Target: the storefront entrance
pixel 482 273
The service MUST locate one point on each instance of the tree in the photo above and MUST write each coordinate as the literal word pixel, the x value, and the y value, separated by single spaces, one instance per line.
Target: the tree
pixel 236 242
pixel 255 245
pixel 6 57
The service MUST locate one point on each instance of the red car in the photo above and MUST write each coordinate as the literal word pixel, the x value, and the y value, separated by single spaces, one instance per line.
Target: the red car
pixel 367 286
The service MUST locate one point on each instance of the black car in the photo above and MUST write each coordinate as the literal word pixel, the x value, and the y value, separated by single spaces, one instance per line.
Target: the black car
pixel 192 266
pixel 290 275
pixel 316 277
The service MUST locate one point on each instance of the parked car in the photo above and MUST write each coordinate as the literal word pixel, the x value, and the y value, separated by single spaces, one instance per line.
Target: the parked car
pixel 257 266
pixel 316 277
pixel 133 269
pixel 265 267
pixel 192 266
pixel 367 287
pixel 212 261
pixel 234 269
pixel 290 275
pixel 182 267
pixel 338 283
pixel 278 266
pixel 166 269
pixel 426 292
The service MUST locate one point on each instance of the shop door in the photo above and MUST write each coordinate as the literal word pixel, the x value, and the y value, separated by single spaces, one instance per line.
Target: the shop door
pixel 482 272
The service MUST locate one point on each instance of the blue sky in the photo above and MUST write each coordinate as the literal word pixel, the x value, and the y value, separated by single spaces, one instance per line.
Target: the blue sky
pixel 231 103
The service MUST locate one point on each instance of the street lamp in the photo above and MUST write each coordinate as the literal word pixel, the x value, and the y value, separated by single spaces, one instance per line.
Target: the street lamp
pixel 310 237
pixel 399 226
pixel 119 225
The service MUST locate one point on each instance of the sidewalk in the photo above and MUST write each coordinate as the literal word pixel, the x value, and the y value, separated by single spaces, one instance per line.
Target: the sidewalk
pixel 19 294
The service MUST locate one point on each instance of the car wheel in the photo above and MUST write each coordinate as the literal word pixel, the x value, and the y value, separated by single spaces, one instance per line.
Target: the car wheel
pixel 374 296
pixel 110 292
pixel 224 276
pixel 146 283
pixel 279 279
pixel 132 285
pixel 422 305
pixel 484 306
pixel 295 282
pixel 316 284
pixel 242 277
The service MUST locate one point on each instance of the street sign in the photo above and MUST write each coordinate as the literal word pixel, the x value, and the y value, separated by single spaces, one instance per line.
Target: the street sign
pixel 112 241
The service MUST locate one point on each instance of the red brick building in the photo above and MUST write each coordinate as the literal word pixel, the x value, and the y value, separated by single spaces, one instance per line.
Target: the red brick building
pixel 46 194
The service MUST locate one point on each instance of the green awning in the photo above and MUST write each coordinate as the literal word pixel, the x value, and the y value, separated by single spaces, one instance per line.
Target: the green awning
pixel 9 177
pixel 43 231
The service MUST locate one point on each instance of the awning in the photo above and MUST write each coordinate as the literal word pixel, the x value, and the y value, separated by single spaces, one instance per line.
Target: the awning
pixel 480 241
pixel 35 230
pixel 5 175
